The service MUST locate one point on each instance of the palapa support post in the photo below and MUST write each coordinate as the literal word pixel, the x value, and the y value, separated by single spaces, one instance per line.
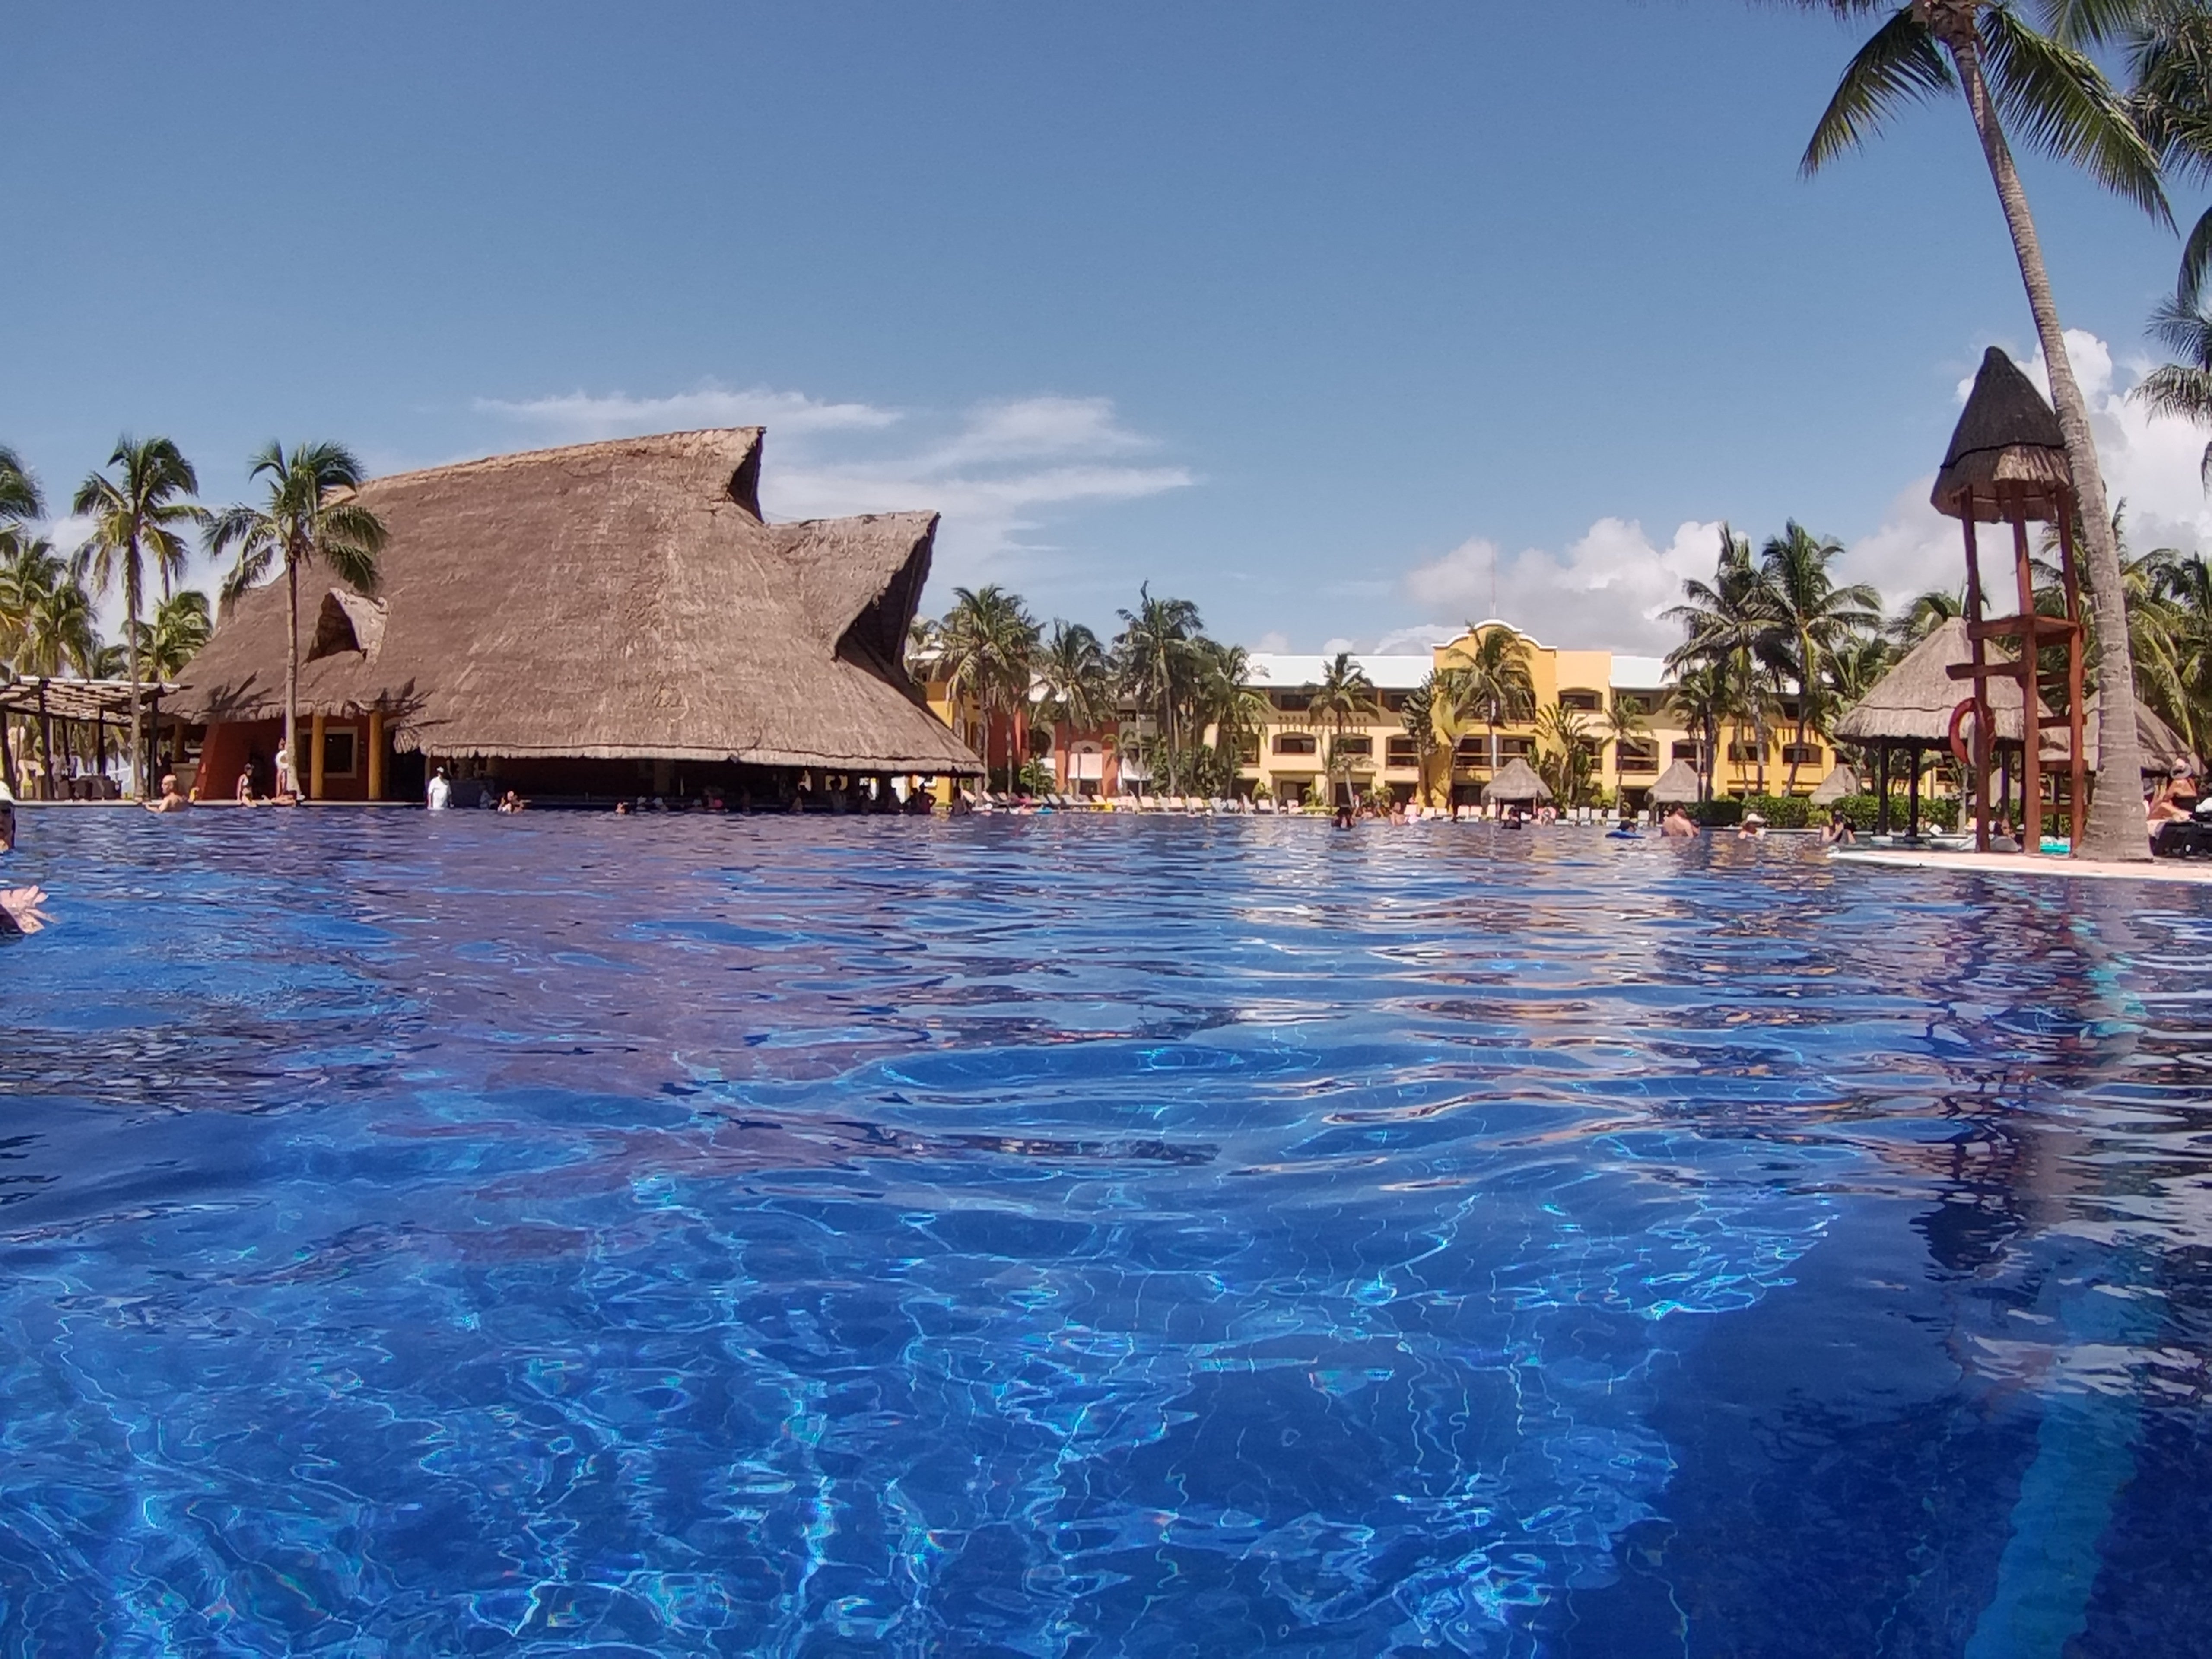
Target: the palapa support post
pixel 2007 462
pixel 315 758
pixel 376 754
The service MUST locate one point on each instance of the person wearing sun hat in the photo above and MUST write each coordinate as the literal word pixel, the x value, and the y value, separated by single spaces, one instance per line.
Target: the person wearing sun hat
pixel 20 911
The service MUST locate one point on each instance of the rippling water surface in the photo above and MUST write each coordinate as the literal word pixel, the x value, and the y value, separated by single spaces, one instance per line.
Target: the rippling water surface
pixel 471 1236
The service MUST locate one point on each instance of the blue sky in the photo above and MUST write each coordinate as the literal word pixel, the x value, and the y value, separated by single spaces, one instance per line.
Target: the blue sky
pixel 1298 310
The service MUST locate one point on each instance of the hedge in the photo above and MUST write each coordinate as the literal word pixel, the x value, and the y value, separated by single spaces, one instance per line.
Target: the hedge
pixel 1861 811
pixel 1796 812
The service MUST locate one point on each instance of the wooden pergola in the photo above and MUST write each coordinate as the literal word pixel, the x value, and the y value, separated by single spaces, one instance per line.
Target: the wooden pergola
pixel 97 703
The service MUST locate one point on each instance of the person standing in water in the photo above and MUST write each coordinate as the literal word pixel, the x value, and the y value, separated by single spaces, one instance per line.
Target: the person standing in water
pixel 21 907
pixel 440 795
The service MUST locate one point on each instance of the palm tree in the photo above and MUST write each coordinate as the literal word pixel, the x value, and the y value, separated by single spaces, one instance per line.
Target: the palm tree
pixel 989 641
pixel 1225 699
pixel 178 632
pixel 1343 695
pixel 1158 652
pixel 1565 760
pixel 2185 586
pixel 1417 715
pixel 29 567
pixel 20 499
pixel 1076 677
pixel 1927 613
pixel 58 630
pixel 1625 723
pixel 1813 618
pixel 308 516
pixel 2061 104
pixel 1704 697
pixel 134 514
pixel 1491 680
pixel 1733 624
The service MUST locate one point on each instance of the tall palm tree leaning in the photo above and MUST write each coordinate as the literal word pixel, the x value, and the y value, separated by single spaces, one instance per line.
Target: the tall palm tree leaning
pixel 20 499
pixel 1813 617
pixel 989 639
pixel 136 513
pixel 178 632
pixel 2060 103
pixel 308 516
pixel 1158 652
pixel 1343 694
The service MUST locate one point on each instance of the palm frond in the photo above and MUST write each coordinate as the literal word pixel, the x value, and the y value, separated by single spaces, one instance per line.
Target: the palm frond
pixel 2056 99
pixel 1899 63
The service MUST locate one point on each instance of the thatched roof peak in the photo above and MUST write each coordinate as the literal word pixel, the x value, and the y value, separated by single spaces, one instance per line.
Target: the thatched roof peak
pixel 2007 434
pixel 1517 780
pixel 615 600
pixel 1912 702
pixel 1677 784
pixel 1837 784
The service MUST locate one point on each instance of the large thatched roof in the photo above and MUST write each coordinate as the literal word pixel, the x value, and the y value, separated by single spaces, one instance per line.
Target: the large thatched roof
pixel 1678 785
pixel 1912 702
pixel 2158 743
pixel 2006 434
pixel 611 600
pixel 1517 780
pixel 1837 784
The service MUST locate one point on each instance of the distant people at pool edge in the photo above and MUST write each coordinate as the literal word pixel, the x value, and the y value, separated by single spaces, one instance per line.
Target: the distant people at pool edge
pixel 1838 831
pixel 21 907
pixel 1752 827
pixel 438 795
pixel 1677 822
pixel 169 800
pixel 510 802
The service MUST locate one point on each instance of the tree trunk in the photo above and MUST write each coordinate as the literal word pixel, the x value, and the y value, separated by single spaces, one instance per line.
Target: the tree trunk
pixel 7 754
pixel 289 781
pixel 2115 829
pixel 45 745
pixel 130 645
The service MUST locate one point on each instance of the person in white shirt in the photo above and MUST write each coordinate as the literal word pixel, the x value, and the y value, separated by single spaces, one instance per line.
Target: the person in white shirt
pixel 440 792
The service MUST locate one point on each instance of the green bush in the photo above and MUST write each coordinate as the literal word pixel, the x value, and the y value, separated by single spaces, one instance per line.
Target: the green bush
pixel 1861 811
pixel 1780 811
pixel 1724 813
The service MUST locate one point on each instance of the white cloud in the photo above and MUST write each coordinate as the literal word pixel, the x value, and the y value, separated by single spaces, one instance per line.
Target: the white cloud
pixel 999 471
pixel 1275 642
pixel 1608 588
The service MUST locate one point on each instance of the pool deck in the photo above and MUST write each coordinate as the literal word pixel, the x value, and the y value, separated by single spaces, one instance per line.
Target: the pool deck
pixel 2173 870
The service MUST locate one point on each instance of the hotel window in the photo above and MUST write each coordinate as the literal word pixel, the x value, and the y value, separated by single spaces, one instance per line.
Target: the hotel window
pixel 1292 702
pixel 1692 752
pixel 1637 757
pixel 1516 749
pixel 338 751
pixel 1472 751
pixel 1349 745
pixel 1590 703
pixel 1400 752
pixel 1395 701
pixel 1247 751
pixel 1296 742
pixel 1747 753
pixel 1645 703
pixel 1800 754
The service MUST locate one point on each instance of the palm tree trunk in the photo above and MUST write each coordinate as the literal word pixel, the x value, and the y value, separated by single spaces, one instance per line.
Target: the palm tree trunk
pixel 131 644
pixel 7 754
pixel 45 745
pixel 292 679
pixel 2115 827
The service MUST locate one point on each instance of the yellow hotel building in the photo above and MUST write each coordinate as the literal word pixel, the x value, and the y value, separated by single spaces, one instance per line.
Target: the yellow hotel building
pixel 1291 756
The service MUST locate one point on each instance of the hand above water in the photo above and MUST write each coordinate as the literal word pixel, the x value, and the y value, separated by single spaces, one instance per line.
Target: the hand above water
pixel 19 906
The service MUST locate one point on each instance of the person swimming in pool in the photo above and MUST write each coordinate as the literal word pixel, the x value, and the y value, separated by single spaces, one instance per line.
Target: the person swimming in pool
pixel 21 907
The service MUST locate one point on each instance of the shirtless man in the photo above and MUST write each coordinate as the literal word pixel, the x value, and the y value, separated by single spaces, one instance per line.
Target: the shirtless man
pixel 171 800
pixel 1677 822
pixel 20 911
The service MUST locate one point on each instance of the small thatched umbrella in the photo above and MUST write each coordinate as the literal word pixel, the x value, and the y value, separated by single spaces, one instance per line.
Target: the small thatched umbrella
pixel 1517 780
pixel 1910 709
pixel 1837 784
pixel 1678 786
pixel 2161 745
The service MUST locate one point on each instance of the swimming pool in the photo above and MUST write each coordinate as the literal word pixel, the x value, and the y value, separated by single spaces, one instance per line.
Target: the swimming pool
pixel 460 1235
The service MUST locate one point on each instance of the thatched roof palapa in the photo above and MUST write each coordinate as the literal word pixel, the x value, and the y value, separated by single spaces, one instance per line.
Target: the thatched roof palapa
pixel 1517 780
pixel 1678 784
pixel 1912 702
pixel 2158 743
pixel 1837 784
pixel 2007 434
pixel 611 601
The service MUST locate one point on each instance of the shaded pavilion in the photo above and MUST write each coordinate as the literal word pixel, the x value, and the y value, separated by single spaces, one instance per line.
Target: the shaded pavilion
pixel 1843 781
pixel 101 704
pixel 1678 786
pixel 606 619
pixel 1517 781
pixel 1912 709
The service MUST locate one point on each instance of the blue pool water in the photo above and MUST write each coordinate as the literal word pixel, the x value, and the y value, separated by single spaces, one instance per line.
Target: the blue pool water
pixel 432 1235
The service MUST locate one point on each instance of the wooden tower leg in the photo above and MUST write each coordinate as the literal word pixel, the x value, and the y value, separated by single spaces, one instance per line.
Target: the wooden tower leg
pixel 2030 697
pixel 2076 725
pixel 1980 752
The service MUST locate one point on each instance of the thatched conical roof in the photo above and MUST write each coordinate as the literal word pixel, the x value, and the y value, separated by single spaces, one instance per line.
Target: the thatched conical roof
pixel 1912 702
pixel 1678 785
pixel 1517 780
pixel 2006 434
pixel 1837 784
pixel 2158 743
pixel 611 600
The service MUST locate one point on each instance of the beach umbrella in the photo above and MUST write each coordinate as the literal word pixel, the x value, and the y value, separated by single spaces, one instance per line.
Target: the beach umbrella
pixel 1517 780
pixel 1678 785
pixel 1837 784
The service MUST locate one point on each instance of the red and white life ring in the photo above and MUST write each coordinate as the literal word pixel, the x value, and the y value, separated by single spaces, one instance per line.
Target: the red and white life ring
pixel 1959 716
